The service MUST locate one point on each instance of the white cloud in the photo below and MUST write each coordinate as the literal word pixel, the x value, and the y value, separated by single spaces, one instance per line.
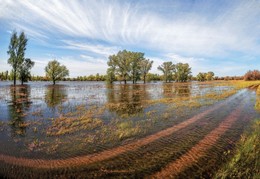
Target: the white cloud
pixel 4 65
pixel 198 33
pixel 97 49
pixel 195 63
pixel 156 62
pixel 93 60
pixel 81 66
pixel 84 67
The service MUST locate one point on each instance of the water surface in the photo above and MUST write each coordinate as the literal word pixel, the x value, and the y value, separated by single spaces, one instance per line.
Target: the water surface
pixel 98 130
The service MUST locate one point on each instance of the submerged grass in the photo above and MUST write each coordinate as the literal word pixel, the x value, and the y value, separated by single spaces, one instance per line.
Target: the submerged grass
pixel 246 160
pixel 257 104
pixel 124 128
pixel 132 114
pixel 74 121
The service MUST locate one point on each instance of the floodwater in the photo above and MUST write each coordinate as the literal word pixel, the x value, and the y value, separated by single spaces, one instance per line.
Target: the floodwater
pixel 95 130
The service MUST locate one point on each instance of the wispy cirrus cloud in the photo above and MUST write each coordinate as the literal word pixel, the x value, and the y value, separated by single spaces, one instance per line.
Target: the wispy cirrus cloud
pixel 183 31
pixel 97 49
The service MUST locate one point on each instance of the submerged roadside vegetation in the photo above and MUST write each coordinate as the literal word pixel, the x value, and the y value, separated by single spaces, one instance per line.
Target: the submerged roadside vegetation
pixel 245 162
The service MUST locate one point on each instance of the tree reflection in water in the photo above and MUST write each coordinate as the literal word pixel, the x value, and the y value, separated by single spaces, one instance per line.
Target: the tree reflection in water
pixel 126 99
pixel 18 107
pixel 176 89
pixel 55 95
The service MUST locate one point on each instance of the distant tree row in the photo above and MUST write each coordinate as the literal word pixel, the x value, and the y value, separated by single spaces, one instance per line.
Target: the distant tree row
pixel 97 77
pixel 4 75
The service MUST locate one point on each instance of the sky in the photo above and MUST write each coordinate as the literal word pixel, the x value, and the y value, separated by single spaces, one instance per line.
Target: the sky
pixel 222 36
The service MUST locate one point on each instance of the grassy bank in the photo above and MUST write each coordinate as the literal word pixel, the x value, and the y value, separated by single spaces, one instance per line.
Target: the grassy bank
pixel 246 160
pixel 257 104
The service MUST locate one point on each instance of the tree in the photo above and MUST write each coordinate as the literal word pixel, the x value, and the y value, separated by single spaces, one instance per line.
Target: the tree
pixel 2 76
pixel 135 65
pixel 24 70
pixel 205 76
pixel 146 66
pixel 182 72
pixel 153 77
pixel 167 68
pixel 55 71
pixel 110 78
pixel 16 51
pixel 252 75
pixel 121 63
pixel 210 76
pixel 126 65
pixel 6 75
pixel 201 76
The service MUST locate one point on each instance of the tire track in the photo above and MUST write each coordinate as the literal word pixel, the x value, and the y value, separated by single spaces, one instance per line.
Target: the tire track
pixel 97 157
pixel 199 150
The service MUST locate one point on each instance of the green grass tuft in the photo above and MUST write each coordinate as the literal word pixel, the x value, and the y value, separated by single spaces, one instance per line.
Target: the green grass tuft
pixel 246 160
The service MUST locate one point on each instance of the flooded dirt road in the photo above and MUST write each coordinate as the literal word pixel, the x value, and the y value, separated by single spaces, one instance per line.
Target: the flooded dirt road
pixel 193 143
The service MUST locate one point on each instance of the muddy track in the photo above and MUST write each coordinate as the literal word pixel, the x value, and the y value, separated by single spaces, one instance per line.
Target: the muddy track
pixel 199 150
pixel 107 154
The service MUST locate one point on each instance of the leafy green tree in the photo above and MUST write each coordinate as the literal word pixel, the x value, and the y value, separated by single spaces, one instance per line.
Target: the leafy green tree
pixel 146 66
pixel 121 63
pixel 201 76
pixel 110 78
pixel 205 76
pixel 135 65
pixel 210 76
pixel 6 75
pixel 55 71
pixel 167 68
pixel 153 77
pixel 24 70
pixel 16 52
pixel 182 72
pixel 12 75
pixel 2 76
pixel 126 65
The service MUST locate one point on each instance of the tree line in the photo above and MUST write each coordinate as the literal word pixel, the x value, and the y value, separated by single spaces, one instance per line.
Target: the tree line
pixel 150 77
pixel 123 66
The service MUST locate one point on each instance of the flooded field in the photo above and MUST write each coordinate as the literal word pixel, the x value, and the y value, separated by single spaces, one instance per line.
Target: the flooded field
pixel 95 130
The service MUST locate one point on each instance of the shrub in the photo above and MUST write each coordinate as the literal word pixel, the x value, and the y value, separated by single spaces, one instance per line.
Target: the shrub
pixel 252 75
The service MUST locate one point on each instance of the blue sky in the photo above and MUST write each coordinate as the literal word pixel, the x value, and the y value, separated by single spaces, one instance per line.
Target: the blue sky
pixel 219 36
